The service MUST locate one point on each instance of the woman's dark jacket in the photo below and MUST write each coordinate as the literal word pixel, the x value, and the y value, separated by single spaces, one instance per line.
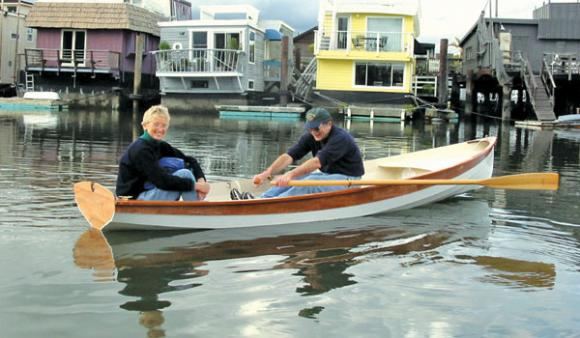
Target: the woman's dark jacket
pixel 140 163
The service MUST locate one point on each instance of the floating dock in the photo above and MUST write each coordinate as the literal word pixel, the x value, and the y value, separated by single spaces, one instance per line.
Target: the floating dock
pixel 34 101
pixel 260 111
pixel 378 113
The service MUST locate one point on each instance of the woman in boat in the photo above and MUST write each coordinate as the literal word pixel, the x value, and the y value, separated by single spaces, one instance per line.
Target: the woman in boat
pixel 335 155
pixel 143 176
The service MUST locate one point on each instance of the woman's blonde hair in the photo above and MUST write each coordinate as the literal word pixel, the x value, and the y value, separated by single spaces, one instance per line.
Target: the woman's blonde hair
pixel 154 111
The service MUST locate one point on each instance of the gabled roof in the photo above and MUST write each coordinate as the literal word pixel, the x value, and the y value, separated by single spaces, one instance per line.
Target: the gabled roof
pixel 305 33
pixel 93 16
pixel 506 21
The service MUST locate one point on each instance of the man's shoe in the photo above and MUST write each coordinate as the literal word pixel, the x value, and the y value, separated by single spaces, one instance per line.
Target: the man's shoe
pixel 235 194
pixel 247 196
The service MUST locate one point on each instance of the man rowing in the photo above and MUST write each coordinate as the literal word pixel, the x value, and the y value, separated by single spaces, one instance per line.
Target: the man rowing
pixel 335 156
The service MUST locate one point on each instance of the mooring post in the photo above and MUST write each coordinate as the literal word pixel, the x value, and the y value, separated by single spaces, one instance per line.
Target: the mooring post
pixel 506 106
pixel 138 68
pixel 442 79
pixel 469 92
pixel 284 72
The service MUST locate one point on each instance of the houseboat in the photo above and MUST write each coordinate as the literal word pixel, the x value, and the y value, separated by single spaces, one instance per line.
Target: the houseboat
pixel 364 51
pixel 227 56
pixel 90 46
pixel 524 69
pixel 15 37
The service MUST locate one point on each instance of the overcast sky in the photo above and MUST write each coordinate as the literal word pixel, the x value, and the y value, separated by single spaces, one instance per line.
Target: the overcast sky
pixel 440 18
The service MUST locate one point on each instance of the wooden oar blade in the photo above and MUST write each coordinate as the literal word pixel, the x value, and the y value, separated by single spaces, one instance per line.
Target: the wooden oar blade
pixel 530 181
pixel 96 203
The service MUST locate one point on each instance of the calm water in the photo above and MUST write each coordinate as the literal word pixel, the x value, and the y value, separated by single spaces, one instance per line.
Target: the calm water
pixel 492 263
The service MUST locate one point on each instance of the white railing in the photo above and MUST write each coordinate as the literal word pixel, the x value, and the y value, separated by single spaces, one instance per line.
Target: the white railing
pixel 199 60
pixel 425 85
pixel 368 41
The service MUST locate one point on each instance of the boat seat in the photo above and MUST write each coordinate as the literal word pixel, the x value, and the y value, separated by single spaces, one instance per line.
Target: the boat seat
pixel 400 172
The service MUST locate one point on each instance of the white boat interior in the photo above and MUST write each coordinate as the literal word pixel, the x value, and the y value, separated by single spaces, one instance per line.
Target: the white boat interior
pixel 404 166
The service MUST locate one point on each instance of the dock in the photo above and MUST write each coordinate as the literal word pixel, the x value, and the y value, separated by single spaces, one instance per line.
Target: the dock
pixel 378 113
pixel 20 104
pixel 293 112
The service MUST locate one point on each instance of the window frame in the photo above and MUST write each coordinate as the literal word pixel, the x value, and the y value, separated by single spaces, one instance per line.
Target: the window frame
pixel 393 67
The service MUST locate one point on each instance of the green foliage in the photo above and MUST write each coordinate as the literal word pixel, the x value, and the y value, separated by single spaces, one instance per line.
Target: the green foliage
pixel 164 45
pixel 233 43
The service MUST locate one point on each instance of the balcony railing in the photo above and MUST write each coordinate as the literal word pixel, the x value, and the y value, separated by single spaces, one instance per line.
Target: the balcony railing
pixel 378 42
pixel 96 61
pixel 199 60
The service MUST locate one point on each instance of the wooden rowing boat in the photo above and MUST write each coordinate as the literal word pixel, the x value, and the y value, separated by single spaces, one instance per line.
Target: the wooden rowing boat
pixel 468 160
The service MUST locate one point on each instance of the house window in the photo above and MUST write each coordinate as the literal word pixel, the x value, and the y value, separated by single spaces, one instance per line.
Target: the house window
pixel 469 53
pixel 29 34
pixel 14 36
pixel 252 48
pixel 379 74
pixel 387 32
pixel 73 46
pixel 199 40
pixel 227 41
pixel 250 84
pixel 11 9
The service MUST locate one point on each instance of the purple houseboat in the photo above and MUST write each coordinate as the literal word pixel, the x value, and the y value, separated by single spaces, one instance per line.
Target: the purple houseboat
pixel 85 47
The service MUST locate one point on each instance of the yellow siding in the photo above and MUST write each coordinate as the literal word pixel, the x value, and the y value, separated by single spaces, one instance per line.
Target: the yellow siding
pixel 328 29
pixel 335 75
pixel 336 67
pixel 339 75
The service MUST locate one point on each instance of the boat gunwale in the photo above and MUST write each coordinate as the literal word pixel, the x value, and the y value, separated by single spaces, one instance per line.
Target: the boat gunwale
pixel 310 202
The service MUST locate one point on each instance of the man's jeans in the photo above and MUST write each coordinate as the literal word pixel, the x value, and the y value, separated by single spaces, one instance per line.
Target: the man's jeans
pixel 297 191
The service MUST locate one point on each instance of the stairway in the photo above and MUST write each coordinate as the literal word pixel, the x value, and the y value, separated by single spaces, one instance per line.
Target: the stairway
pixel 543 103
pixel 304 84
pixel 325 43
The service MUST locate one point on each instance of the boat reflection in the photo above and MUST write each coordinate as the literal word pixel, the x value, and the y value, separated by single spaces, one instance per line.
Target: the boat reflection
pixel 153 263
pixel 517 273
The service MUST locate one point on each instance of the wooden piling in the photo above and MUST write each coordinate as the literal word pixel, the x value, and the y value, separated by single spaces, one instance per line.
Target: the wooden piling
pixel 469 92
pixel 284 72
pixel 138 70
pixel 506 107
pixel 442 79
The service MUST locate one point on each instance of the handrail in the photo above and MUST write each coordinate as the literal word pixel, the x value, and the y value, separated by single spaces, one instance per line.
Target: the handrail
pixel 63 58
pixel 369 41
pixel 199 60
pixel 551 84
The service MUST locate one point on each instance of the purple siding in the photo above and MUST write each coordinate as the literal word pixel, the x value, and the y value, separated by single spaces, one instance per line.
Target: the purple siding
pixel 48 38
pixel 121 41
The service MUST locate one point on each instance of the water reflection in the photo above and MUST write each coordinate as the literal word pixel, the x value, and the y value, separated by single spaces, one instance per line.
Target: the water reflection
pixel 517 273
pixel 151 264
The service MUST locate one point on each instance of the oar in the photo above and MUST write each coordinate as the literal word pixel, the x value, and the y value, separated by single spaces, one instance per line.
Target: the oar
pixel 530 181
pixel 96 203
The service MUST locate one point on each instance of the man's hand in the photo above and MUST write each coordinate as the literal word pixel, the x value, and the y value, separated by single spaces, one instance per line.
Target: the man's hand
pixel 282 180
pixel 202 188
pixel 261 177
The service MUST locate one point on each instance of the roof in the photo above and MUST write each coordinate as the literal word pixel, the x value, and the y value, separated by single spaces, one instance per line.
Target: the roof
pixel 305 33
pixel 15 2
pixel 93 16
pixel 506 21
pixel 273 35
